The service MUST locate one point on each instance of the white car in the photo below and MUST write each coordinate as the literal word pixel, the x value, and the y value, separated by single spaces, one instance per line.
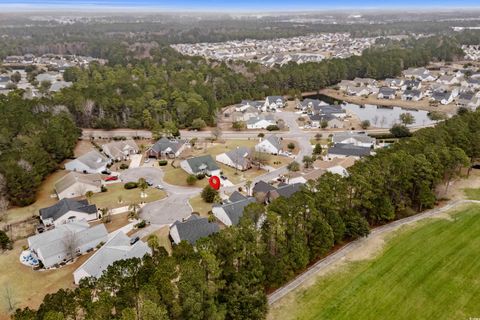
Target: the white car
pixel 159 187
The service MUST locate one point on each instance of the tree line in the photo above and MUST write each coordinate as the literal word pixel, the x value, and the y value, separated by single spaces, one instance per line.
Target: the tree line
pixel 228 274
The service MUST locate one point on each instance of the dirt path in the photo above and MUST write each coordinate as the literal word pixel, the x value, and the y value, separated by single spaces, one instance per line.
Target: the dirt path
pixel 359 249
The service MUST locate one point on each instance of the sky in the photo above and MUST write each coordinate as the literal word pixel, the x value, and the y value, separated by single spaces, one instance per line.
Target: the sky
pixel 229 5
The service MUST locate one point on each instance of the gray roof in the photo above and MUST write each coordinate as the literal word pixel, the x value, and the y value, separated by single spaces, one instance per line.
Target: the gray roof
pixel 386 91
pixel 116 149
pixel 195 228
pixel 347 149
pixel 93 159
pixel 236 196
pixel 262 186
pixel 235 210
pixel 239 156
pixel 268 117
pixel 342 136
pixel 164 144
pixel 275 141
pixel 202 163
pixel 288 190
pixel 411 83
pixel 117 248
pixel 72 178
pixel 466 96
pixel 413 93
pixel 329 109
pixel 441 95
pixel 65 205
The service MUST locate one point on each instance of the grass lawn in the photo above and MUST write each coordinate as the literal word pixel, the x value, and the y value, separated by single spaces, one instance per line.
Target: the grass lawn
pixel 110 198
pixel 200 206
pixel 428 271
pixel 163 239
pixel 240 176
pixel 43 199
pixel 214 149
pixel 178 177
pixel 117 221
pixel 472 194
pixel 278 161
pixel 28 287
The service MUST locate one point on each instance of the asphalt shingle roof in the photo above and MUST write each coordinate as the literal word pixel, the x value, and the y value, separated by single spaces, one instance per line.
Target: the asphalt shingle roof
pixel 195 228
pixel 65 205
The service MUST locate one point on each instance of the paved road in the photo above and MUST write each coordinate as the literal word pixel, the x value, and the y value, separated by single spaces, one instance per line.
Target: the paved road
pixel 354 245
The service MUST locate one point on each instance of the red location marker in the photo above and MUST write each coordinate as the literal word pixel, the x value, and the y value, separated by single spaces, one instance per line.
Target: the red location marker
pixel 214 182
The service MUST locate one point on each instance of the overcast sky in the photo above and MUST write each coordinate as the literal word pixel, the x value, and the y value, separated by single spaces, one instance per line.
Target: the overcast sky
pixel 229 5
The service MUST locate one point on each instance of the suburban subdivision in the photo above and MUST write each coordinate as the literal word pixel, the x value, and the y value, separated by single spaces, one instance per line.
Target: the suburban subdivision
pixel 302 165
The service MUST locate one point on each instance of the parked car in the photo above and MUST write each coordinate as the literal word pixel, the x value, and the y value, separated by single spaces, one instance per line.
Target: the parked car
pixel 159 187
pixel 223 177
pixel 104 172
pixel 134 240
pixel 111 178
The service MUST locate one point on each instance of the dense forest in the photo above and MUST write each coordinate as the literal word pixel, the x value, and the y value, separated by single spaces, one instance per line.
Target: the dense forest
pixel 175 90
pixel 229 273
pixel 34 139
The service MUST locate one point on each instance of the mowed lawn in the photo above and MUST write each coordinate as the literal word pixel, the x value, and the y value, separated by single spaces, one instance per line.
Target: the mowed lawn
pixel 473 194
pixel 117 196
pixel 430 271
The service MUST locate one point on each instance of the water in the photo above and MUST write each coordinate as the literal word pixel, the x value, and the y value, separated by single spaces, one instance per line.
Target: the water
pixel 384 117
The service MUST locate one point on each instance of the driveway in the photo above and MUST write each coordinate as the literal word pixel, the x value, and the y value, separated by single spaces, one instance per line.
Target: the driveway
pixel 152 175
pixel 135 160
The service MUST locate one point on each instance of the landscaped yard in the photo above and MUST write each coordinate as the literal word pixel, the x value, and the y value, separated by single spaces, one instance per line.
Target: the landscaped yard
pixel 163 239
pixel 200 206
pixel 43 199
pixel 28 287
pixel 178 177
pixel 217 148
pixel 429 271
pixel 240 176
pixel 116 192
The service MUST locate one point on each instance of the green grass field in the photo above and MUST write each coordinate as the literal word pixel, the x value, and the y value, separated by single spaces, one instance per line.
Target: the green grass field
pixel 430 271
pixel 473 194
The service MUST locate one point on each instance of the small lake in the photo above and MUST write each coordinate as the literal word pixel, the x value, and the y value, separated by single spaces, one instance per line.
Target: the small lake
pixel 379 116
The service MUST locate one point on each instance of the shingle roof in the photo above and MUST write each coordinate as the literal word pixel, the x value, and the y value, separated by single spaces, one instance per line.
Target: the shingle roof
pixel 289 189
pixel 195 228
pixel 262 186
pixel 65 205
pixel 349 150
pixel 342 136
pixel 72 178
pixel 236 196
pixel 275 141
pixel 116 149
pixel 235 210
pixel 201 163
pixel 164 144
pixel 93 159
pixel 239 156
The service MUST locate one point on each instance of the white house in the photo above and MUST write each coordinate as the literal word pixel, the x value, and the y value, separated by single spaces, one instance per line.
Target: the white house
pixel 355 138
pixel 394 83
pixel 442 97
pixel 358 91
pixel 76 184
pixel 343 150
pixel 202 164
pixel 66 242
pixel 271 144
pixel 91 162
pixel 119 247
pixel 120 150
pixel 412 95
pixel 274 102
pixel 386 93
pixel 260 122
pixel 238 158
pixel 231 212
pixel 67 211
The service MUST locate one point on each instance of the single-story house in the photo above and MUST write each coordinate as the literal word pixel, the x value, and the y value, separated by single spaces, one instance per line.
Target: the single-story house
pixel 67 211
pixel 59 85
pixel 331 120
pixel 468 100
pixel 261 122
pixel 192 229
pixel 448 80
pixel 411 85
pixel 328 109
pixel 238 158
pixel 91 162
pixel 355 138
pixel 65 242
pixel 76 184
pixel 120 150
pixel 284 190
pixel 271 144
pixel 202 164
pixel 365 82
pixel 344 84
pixel 262 187
pixel 386 93
pixel 472 83
pixel 231 212
pixel 117 248
pixel 412 95
pixel 336 165
pixel 442 97
pixel 303 177
pixel 394 83
pixel 343 150
pixel 166 148
pixel 358 91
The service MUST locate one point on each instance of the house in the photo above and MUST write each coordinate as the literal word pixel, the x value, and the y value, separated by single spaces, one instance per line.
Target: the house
pixel 164 147
pixel 65 242
pixel 365 82
pixel 448 80
pixel 327 109
pixel 343 150
pixel 91 162
pixel 421 74
pixel 336 165
pixel 119 247
pixel 274 102
pixel 394 83
pixel 442 97
pixel 120 150
pixel 246 104
pixel 344 84
pixel 260 122
pixel 468 100
pixel 201 165
pixel 411 85
pixel 358 91
pixel 4 81
pixel 51 77
pixel 303 177
pixel 231 212
pixel 246 114
pixel 386 93
pixel 284 190
pixel 261 187
pixel 331 121
pixel 271 144
pixel 76 184
pixel 355 138
pixel 68 210
pixel 192 229
pixel 412 95
pixel 471 83
pixel 238 158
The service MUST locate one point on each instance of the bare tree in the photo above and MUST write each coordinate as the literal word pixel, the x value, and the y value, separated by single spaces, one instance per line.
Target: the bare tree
pixel 80 189
pixel 216 133
pixel 70 243
pixel 259 158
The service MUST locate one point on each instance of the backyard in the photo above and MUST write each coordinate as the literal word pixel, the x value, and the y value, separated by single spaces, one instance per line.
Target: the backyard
pixel 117 196
pixel 200 206
pixel 426 271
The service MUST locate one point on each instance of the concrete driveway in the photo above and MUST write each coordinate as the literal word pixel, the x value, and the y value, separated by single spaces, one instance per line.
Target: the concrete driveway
pixel 152 175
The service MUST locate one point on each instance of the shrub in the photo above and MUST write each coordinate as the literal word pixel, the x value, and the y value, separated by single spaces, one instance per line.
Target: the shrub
pixel 191 180
pixel 123 166
pixel 5 242
pixel 209 194
pixel 103 189
pixel 200 176
pixel 273 127
pixel 141 224
pixel 162 163
pixel 130 185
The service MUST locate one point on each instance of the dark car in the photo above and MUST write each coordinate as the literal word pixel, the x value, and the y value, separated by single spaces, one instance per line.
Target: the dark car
pixel 134 240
